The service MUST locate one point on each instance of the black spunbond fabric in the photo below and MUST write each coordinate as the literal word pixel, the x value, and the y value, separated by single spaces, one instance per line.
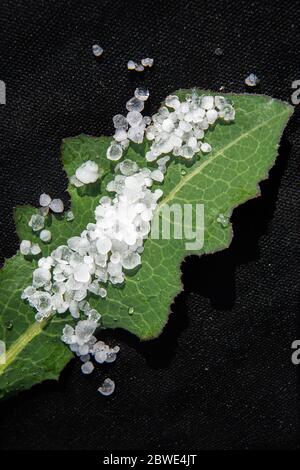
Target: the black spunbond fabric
pixel 220 376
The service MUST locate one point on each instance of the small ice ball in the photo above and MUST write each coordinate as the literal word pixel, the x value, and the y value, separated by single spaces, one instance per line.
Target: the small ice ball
pixel 141 93
pixel 120 135
pixel 147 62
pixel 114 152
pixel 131 65
pixel 207 102
pixel 104 245
pixel 107 388
pixel 88 172
pixel 41 276
pixel 45 200
pixel 35 249
pixel 25 247
pixel 211 116
pixel 136 134
pixel 134 118
pixel 119 121
pixel 97 50
pixel 135 104
pixel 57 206
pixel 45 236
pixel 172 101
pixel 205 147
pixel 139 68
pixel 131 260
pixel 128 167
pixel 168 125
pixel 87 367
pixel 36 222
pixel 252 80
pixel 157 175
pixel 82 273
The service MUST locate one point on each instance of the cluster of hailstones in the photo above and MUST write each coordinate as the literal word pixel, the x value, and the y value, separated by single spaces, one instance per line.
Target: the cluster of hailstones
pixel 113 244
pixel 178 127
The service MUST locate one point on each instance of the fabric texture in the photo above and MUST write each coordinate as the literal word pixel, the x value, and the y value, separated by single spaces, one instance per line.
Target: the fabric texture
pixel 220 376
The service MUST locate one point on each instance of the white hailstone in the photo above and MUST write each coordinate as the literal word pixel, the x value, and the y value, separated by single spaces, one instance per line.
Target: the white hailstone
pixel 42 301
pixel 36 222
pixel 88 172
pixel 130 260
pixel 227 113
pixel 75 182
pixel 107 388
pixel 82 273
pixel 45 200
pixel 146 120
pixel 69 216
pixel 128 167
pixel 102 292
pixel 141 93
pixel 114 152
pixel 185 126
pixel 120 135
pixel 205 148
pixel 147 62
pixel 45 263
pixel 211 116
pixel 120 121
pixel 87 367
pixel 207 102
pixel 198 133
pixel 134 118
pixel 252 80
pixel 104 245
pixel 40 277
pixel 157 175
pixel 83 349
pixel 28 292
pixel 136 134
pixel 25 247
pixel 139 68
pixel 131 65
pixel 57 206
pixel 35 249
pixel 45 236
pixel 97 50
pixel 85 357
pixel 187 152
pixel 172 101
pixel 175 140
pixel 168 125
pixel 192 142
pixel 84 330
pixel 135 104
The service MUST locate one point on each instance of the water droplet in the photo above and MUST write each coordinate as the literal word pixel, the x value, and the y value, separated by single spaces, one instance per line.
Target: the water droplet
pixel 223 220
pixel 9 325
pixel 130 310
pixel 183 172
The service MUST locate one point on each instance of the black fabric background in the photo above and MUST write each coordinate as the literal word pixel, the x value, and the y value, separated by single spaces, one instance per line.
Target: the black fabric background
pixel 220 376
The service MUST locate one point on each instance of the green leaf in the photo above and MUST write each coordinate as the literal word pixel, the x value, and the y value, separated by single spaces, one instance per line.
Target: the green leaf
pixel 243 153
